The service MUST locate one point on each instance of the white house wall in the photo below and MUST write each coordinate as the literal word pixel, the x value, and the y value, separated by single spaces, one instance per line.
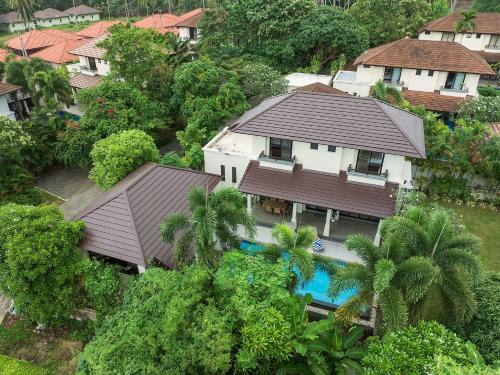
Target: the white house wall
pixel 184 33
pixel 370 74
pixel 4 108
pixel 52 21
pixel 87 17
pixel 318 160
pixel 473 43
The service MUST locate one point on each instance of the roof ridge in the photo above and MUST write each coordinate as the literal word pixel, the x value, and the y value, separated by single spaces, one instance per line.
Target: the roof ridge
pixel 134 227
pixel 403 132
pixel 285 96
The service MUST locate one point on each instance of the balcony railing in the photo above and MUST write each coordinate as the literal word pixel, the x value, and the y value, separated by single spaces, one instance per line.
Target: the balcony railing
pixel 395 84
pixel 493 46
pixel 460 88
pixel 352 170
pixel 272 162
pixel 87 69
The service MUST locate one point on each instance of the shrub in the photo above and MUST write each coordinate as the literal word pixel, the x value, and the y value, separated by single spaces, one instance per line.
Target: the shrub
pixel 120 154
pixel 13 366
pixel 484 329
pixel 39 261
pixel 31 196
pixel 413 349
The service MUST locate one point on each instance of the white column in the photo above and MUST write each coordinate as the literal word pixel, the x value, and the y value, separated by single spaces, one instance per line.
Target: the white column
pixel 326 230
pixel 376 241
pixel 141 269
pixel 249 204
pixel 294 214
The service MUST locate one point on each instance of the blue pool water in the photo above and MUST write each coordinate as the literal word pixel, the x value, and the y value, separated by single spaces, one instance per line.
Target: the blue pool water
pixel 317 286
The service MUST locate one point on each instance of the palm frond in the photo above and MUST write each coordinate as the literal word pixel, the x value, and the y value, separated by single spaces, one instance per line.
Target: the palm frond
pixel 394 309
pixel 364 247
pixel 197 196
pixel 411 236
pixel 182 247
pixel 326 264
pixel 439 229
pixel 352 276
pixel 304 262
pixel 272 251
pixel 318 364
pixel 305 237
pixel 171 225
pixel 384 272
pixel 352 308
pixel 461 304
pixel 415 275
pixel 465 241
pixel 451 259
pixel 284 235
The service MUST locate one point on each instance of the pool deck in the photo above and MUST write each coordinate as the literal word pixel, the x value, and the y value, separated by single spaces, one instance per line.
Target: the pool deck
pixel 335 250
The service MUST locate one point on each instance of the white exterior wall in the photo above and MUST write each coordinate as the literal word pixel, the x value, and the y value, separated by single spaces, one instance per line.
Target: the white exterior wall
pixel 370 74
pixel 184 33
pixel 87 17
pixel 18 26
pixel 423 82
pixel 52 21
pixel 318 160
pixel 473 43
pixel 353 88
pixel 101 65
pixel 4 108
pixel 434 35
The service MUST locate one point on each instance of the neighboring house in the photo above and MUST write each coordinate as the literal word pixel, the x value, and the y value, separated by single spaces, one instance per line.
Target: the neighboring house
pixel 321 88
pixel 332 161
pixel 10 22
pixel 50 17
pixel 124 224
pixel 82 13
pixel 188 25
pixel 434 73
pixel 36 40
pixel 6 89
pixel 485 37
pixel 163 23
pixel 58 54
pixel 296 80
pixel 97 29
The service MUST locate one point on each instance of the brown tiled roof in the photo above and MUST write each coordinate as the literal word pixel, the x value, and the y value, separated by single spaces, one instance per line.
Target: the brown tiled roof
pixel 319 189
pixel 339 120
pixel 97 29
pixel 84 81
pixel 59 53
pixel 124 223
pixel 158 21
pixel 49 13
pixel 6 88
pixel 81 10
pixel 433 101
pixel 10 17
pixel 485 23
pixel 90 49
pixel 489 57
pixel 4 53
pixel 35 39
pixel 190 19
pixel 321 88
pixel 425 54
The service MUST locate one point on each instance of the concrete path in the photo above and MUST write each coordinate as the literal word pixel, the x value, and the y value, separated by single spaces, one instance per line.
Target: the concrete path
pixel 4 306
pixel 65 182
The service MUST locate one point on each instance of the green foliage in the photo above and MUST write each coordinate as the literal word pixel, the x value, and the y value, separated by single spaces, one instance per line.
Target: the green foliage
pixel 102 285
pixel 447 366
pixel 50 86
pixel 412 350
pixel 15 141
pixel 486 6
pixel 214 218
pixel 387 93
pixel 30 196
pixel 483 109
pixel 259 79
pixel 19 72
pixel 13 366
pixel 120 154
pixel 488 91
pixel 466 23
pixel 484 329
pixel 173 159
pixel 39 261
pixel 389 20
pixel 439 8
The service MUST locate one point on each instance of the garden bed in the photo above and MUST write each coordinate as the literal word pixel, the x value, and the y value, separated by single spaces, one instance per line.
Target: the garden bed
pixel 53 350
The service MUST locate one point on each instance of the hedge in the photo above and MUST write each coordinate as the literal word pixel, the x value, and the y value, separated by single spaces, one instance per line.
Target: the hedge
pixel 13 366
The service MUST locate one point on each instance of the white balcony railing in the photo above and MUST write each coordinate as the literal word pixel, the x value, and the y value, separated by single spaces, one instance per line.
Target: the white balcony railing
pixel 267 161
pixel 493 46
pixel 461 88
pixel 85 68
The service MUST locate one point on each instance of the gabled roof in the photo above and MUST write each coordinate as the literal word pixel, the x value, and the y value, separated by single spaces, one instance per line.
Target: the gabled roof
pixel 49 13
pixel 59 53
pixel 158 21
pixel 81 10
pixel 339 120
pixel 425 54
pixel 4 53
pixel 190 19
pixel 35 39
pixel 84 81
pixel 321 88
pixel 10 17
pixel 124 223
pixel 485 23
pixel 90 48
pixel 433 101
pixel 97 29
pixel 7 88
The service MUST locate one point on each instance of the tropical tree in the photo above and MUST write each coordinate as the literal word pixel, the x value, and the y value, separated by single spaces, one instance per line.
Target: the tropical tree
pixel 466 23
pixel 213 220
pixel 295 243
pixel 387 93
pixel 24 9
pixel 49 86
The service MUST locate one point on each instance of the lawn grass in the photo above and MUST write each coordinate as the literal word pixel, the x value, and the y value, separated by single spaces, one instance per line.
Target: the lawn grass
pixel 485 224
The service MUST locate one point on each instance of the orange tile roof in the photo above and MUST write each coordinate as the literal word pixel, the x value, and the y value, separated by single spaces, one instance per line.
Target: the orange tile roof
pixel 59 53
pixel 97 29
pixel 158 21
pixel 190 19
pixel 425 54
pixel 433 101
pixel 35 39
pixel 485 23
pixel 4 53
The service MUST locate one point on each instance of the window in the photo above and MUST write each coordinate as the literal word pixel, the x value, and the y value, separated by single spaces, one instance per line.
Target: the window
pixel 366 66
pixel 454 81
pixel 314 146
pixel 369 162
pixel 469 35
pixel 281 149
pixel 392 75
pixel 448 37
pixel 193 33
pixel 427 32
pixel 223 172
pixel 98 61
pixel 431 73
pixel 478 36
pixel 233 172
pixel 332 148
pixel 494 42
pixel 419 72
pixel 92 65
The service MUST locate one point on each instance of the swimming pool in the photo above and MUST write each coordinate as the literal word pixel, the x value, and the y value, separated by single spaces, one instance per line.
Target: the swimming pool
pixel 317 286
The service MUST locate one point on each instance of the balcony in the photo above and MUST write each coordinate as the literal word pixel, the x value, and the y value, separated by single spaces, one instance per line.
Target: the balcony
pixel 86 69
pixel 461 89
pixel 493 46
pixel 375 178
pixel 267 161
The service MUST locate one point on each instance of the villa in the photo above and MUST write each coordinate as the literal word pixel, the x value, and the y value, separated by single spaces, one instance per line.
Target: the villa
pixel 336 162
pixel 11 22
pixel 436 74
pixel 51 17
pixel 82 13
pixel 185 25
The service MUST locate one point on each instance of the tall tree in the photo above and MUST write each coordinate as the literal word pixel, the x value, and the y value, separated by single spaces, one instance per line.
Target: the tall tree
pixel 212 222
pixel 24 9
pixel 466 23
pixel 51 86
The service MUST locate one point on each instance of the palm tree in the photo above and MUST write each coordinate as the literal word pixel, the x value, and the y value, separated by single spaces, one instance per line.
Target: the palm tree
pixel 466 24
pixel 213 221
pixel 180 52
pixel 24 9
pixel 295 243
pixel 46 86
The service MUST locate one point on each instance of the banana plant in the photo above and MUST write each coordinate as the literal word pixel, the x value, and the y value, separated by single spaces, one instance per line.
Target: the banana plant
pixel 320 347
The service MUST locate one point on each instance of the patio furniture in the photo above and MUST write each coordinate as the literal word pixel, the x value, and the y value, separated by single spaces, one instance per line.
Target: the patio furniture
pixel 275 207
pixel 318 246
